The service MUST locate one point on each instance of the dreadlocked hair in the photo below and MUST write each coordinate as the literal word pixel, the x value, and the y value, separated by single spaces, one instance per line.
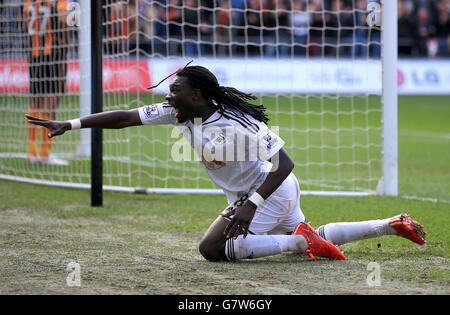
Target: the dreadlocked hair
pixel 222 97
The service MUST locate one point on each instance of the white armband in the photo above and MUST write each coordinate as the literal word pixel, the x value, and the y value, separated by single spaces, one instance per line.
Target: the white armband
pixel 256 199
pixel 75 124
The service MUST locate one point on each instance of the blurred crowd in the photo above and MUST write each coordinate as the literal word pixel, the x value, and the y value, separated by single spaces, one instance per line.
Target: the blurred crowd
pixel 423 28
pixel 256 28
pixel 280 27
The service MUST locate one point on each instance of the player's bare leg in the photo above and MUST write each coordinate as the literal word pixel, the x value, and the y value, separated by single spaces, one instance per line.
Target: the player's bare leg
pixel 212 245
pixel 48 113
pixel 33 130
pixel 51 103
pixel 345 232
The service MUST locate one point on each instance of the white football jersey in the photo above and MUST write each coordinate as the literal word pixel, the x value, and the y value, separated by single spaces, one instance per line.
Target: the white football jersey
pixel 233 148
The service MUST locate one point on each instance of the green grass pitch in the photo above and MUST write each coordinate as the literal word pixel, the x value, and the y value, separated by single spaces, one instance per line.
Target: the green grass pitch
pixel 147 244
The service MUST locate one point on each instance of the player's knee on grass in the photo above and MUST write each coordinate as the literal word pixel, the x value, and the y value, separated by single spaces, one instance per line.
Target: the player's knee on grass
pixel 212 245
pixel 213 248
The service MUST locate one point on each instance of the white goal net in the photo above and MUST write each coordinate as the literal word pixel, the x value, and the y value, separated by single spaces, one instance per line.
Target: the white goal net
pixel 317 66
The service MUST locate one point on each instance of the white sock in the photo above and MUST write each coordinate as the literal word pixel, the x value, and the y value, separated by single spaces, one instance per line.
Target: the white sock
pixel 255 246
pixel 344 232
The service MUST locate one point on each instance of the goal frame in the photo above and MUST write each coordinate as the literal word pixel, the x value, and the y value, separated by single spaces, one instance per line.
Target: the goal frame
pixel 389 99
pixel 388 184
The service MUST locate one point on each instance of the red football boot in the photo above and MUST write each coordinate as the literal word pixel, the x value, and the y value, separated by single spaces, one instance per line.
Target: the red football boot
pixel 408 228
pixel 317 245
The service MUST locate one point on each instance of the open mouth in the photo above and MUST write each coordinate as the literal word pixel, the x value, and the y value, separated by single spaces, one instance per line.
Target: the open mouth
pixel 177 110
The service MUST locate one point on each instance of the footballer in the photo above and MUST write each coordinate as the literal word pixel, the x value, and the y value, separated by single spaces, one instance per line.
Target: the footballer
pixel 264 216
pixel 48 36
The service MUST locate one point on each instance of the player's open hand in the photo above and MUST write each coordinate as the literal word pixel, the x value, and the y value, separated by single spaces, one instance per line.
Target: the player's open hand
pixel 56 127
pixel 240 223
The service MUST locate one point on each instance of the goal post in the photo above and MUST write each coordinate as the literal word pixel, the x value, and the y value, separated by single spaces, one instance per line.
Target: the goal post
pixel 327 77
pixel 85 51
pixel 97 102
pixel 389 181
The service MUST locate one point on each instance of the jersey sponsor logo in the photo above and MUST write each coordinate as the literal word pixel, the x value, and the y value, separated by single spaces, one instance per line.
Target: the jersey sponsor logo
pixel 213 165
pixel 151 110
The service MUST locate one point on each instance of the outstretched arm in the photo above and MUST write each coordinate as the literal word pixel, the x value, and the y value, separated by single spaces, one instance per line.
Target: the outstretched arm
pixel 108 120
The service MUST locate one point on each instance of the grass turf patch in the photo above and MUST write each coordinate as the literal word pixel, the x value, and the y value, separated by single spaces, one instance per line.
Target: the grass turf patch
pixel 148 245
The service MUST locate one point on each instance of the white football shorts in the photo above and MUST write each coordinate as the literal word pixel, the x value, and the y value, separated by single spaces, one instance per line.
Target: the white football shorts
pixel 280 213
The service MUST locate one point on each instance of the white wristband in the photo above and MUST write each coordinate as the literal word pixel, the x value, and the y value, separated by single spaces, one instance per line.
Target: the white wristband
pixel 256 199
pixel 75 124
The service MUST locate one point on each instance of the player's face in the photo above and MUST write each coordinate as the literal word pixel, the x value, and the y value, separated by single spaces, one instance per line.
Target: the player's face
pixel 180 97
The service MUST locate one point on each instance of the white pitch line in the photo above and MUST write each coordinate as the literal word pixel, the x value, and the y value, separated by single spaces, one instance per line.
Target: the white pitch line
pixel 160 164
pixel 435 200
pixel 426 134
pixel 192 169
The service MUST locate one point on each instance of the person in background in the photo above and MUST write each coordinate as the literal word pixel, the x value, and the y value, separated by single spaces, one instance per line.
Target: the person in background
pixel 48 34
